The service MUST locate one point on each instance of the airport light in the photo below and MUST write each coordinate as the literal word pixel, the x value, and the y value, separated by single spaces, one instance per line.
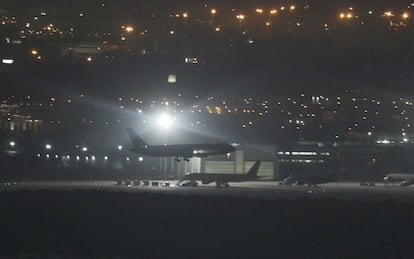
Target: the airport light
pixel 7 61
pixel 140 159
pixel 12 144
pixel 84 149
pixel 120 147
pixel 48 146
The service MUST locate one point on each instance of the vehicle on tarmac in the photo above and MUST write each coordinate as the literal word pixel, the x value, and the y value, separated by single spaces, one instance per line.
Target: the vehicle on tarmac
pixel 188 184
pixel 310 180
pixel 400 179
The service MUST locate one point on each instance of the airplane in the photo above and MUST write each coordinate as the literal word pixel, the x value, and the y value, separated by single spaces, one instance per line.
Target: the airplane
pixel 403 179
pixel 222 180
pixel 186 151
pixel 311 179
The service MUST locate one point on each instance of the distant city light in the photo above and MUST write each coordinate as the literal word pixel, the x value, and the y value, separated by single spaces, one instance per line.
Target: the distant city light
pixel 129 29
pixel 172 78
pixel 405 16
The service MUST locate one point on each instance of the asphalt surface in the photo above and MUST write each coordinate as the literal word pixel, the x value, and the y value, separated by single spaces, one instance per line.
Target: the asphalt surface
pixel 352 191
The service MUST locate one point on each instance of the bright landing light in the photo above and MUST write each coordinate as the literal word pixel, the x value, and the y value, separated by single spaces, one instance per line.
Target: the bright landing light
pixel 165 121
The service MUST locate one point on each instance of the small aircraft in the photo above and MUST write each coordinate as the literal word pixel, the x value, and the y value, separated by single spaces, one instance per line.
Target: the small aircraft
pixel 311 179
pixel 185 151
pixel 402 179
pixel 222 180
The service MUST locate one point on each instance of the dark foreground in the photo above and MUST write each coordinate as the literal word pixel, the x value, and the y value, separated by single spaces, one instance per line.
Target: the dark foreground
pixel 91 224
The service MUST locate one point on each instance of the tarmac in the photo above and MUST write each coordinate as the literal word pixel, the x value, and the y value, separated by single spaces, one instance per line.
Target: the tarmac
pixel 352 191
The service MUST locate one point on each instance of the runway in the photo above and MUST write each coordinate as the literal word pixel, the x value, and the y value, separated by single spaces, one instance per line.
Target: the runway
pixel 255 189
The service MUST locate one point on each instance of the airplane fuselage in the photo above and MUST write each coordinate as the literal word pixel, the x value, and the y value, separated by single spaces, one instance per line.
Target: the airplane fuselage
pixel 224 178
pixel 185 150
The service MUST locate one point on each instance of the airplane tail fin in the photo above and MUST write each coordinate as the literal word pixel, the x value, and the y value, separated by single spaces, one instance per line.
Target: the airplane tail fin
pixel 137 142
pixel 252 173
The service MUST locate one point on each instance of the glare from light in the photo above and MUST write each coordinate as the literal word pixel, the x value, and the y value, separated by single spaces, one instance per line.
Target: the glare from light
pixel 129 29
pixel 405 16
pixel 165 121
pixel 7 61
